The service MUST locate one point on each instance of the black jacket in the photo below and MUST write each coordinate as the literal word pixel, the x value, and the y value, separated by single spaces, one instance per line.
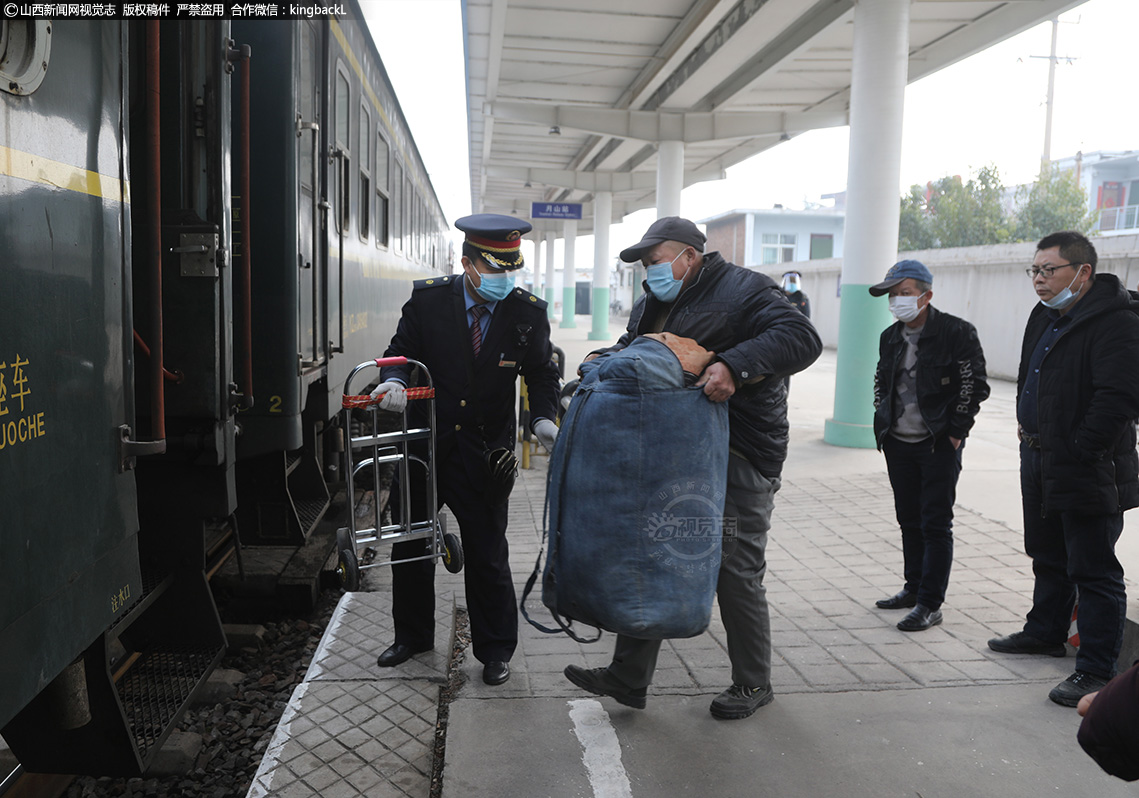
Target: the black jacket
pixel 951 379
pixel 1088 401
pixel 745 318
pixel 433 330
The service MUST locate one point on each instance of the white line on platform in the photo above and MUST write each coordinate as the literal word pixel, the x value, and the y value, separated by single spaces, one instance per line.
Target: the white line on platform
pixel 601 749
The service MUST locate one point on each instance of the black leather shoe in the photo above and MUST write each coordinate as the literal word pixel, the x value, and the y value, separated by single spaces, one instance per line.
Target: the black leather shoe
pixel 1024 643
pixel 397 654
pixel 1069 692
pixel 495 672
pixel 920 618
pixel 901 600
pixel 599 682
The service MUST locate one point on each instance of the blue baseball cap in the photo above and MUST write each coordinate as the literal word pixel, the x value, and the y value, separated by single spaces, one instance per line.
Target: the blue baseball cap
pixel 902 270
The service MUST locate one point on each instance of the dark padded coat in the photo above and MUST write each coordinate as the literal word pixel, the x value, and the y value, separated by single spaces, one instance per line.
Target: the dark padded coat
pixel 745 318
pixel 1088 401
pixel 951 379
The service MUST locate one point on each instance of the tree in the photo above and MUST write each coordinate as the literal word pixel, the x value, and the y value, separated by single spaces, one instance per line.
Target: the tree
pixel 1054 202
pixel 952 213
pixel 914 228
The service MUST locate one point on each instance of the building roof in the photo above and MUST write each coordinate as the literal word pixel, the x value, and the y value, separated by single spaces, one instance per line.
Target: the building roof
pixel 565 99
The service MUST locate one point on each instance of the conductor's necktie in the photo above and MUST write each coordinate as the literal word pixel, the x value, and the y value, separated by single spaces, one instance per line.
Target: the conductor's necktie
pixel 476 328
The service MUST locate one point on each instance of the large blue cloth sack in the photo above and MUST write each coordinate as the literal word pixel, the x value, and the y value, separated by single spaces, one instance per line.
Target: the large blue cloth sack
pixel 636 498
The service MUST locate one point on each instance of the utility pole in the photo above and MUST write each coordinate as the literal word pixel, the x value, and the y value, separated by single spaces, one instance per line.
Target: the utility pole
pixel 1046 158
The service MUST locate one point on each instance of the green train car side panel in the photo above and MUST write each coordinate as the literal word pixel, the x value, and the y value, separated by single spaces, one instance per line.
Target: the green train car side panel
pixel 68 525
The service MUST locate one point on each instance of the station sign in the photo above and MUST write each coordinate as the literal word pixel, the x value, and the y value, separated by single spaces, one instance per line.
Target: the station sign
pixel 555 210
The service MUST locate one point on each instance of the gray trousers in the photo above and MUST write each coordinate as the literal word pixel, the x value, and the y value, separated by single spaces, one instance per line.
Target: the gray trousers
pixel 742 597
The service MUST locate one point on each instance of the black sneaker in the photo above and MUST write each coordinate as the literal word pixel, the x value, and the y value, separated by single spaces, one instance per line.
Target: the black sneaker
pixel 600 682
pixel 1069 692
pixel 1024 643
pixel 739 702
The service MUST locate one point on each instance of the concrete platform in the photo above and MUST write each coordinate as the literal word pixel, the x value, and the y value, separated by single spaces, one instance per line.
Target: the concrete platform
pixel 861 708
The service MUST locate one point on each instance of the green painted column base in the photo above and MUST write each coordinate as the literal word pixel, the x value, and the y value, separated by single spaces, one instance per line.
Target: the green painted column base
pixel 549 303
pixel 600 331
pixel 852 436
pixel 569 307
pixel 861 320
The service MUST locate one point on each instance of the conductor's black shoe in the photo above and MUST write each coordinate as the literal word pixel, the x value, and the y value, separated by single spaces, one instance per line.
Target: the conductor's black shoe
pixel 1024 643
pixel 920 618
pixel 739 702
pixel 397 654
pixel 1069 692
pixel 496 672
pixel 600 682
pixel 899 601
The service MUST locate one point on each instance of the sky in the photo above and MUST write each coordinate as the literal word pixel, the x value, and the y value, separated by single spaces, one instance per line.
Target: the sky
pixel 987 109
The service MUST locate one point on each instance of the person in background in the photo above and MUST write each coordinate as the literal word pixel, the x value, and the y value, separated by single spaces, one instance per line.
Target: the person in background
pixel 1077 401
pixel 758 338
pixel 475 334
pixel 793 288
pixel 928 388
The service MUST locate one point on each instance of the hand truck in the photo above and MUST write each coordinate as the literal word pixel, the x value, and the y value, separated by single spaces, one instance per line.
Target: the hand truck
pixel 376 449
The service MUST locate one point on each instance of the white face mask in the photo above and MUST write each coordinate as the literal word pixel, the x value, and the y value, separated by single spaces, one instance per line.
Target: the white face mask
pixel 905 308
pixel 1065 297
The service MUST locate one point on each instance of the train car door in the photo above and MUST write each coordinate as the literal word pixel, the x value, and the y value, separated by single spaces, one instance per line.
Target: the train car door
pixel 311 264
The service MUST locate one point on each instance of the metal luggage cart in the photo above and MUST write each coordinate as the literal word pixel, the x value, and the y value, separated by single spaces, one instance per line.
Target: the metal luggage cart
pixel 379 448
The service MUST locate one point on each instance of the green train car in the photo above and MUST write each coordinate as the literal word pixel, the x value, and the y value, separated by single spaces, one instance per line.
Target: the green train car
pixel 204 225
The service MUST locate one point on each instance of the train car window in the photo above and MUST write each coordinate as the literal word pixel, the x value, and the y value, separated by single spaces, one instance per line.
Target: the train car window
pixel 365 172
pixel 25 52
pixel 397 206
pixel 381 191
pixel 343 191
pixel 409 198
pixel 306 102
pixel 418 228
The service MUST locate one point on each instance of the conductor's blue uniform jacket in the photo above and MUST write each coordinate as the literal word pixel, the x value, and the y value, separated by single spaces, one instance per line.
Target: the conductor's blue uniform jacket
pixel 434 329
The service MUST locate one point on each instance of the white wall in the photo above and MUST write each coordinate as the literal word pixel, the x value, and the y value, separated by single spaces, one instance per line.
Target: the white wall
pixel 986 285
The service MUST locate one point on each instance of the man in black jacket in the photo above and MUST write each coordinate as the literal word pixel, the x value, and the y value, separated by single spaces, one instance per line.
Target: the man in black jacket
pixel 475 333
pixel 758 338
pixel 1077 401
pixel 928 388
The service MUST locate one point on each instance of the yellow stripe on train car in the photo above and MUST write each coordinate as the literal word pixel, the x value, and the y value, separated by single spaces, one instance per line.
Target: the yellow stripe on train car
pixel 38 169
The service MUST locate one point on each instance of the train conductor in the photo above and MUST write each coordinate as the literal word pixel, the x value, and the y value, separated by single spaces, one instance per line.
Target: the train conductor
pixel 475 333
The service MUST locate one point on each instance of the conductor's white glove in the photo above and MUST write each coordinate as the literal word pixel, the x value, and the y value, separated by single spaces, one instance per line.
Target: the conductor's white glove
pixel 546 432
pixel 395 396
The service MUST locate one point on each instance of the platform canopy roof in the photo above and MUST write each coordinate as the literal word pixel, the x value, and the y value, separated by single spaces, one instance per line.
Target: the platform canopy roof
pixel 569 97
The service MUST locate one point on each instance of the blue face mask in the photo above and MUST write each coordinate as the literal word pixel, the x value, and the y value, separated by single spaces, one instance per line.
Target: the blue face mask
pixel 1064 298
pixel 663 285
pixel 493 287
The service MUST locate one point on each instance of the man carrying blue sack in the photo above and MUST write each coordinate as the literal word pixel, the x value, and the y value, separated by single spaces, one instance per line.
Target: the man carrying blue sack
pixel 759 338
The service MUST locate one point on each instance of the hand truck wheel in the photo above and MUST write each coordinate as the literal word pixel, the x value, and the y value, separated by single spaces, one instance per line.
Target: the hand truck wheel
pixel 452 552
pixel 345 540
pixel 348 571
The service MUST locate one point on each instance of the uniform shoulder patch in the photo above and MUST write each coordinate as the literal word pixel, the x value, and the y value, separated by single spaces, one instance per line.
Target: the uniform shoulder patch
pixel 529 299
pixel 434 282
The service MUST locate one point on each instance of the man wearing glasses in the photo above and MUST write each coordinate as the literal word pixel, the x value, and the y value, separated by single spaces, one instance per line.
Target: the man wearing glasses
pixel 1077 401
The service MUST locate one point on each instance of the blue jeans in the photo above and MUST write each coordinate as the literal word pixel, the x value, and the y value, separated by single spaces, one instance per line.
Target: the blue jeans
pixel 924 478
pixel 1073 553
